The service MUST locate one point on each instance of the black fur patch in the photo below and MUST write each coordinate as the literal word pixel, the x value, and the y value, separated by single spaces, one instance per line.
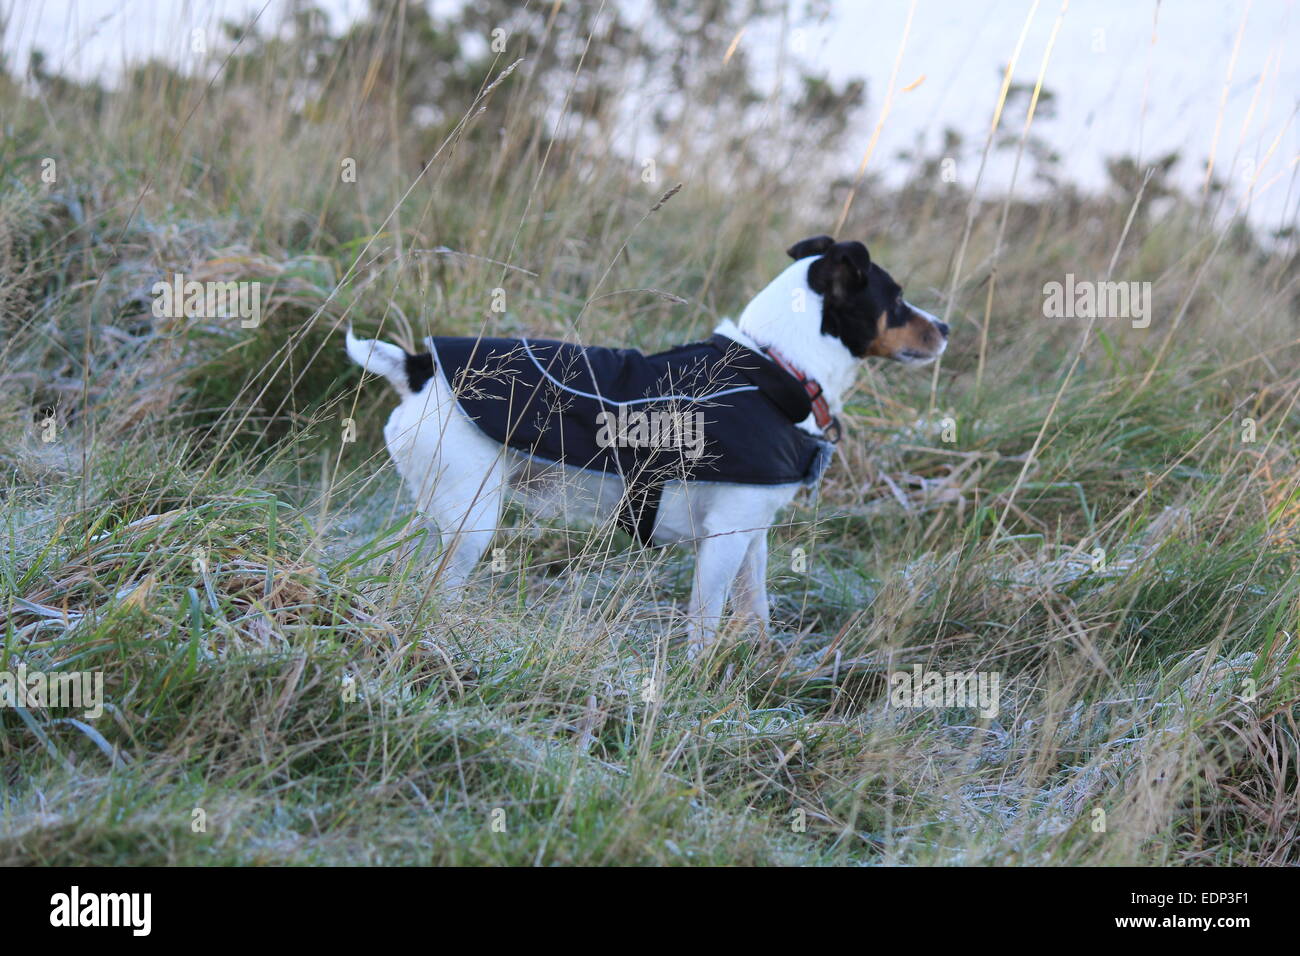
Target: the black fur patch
pixel 809 247
pixel 855 291
pixel 419 369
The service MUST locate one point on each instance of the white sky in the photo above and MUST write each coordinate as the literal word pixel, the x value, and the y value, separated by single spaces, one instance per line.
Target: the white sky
pixel 1116 90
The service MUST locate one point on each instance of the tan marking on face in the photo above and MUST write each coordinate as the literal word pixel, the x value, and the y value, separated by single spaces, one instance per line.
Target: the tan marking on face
pixel 917 335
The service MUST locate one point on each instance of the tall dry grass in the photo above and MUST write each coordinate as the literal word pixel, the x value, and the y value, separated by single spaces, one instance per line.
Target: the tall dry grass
pixel 260 606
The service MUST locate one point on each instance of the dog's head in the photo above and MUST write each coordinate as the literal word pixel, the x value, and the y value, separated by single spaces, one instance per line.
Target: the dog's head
pixel 864 308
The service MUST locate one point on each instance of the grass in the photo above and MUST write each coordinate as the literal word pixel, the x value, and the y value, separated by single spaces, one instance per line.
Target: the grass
pixel 283 685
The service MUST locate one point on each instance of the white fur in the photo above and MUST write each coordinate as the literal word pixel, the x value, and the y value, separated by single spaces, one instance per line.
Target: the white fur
pixel 381 358
pixel 459 477
pixel 787 316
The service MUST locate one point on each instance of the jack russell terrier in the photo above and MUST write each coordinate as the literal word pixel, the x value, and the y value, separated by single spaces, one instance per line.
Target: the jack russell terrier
pixel 704 443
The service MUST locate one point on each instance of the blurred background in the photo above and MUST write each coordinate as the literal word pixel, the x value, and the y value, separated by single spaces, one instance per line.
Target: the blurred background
pixel 1196 78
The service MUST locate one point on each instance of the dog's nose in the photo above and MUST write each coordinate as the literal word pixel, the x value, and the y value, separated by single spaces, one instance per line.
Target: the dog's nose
pixel 943 328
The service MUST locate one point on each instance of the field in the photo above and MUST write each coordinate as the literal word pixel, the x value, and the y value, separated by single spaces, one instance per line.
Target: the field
pixel 203 514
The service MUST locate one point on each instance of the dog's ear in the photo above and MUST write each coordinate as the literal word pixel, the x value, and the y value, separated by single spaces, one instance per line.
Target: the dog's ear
pixel 845 265
pixel 809 247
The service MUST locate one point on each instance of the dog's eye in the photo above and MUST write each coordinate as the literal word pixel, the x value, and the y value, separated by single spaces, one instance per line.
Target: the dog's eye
pixel 897 312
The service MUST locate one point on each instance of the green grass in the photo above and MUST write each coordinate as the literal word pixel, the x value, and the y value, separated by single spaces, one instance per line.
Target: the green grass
pixel 283 684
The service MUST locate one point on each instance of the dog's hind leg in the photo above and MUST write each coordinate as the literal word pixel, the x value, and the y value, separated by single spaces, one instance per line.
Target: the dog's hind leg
pixel 455 474
pixel 467 511
pixel 717 560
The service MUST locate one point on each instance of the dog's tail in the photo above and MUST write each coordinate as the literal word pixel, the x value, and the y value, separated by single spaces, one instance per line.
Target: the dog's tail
pixel 384 358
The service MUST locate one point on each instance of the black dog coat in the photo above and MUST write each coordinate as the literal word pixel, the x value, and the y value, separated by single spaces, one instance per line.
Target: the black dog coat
pixel 708 411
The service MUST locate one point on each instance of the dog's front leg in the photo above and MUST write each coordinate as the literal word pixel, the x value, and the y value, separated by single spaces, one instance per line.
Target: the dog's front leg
pixel 717 559
pixel 750 598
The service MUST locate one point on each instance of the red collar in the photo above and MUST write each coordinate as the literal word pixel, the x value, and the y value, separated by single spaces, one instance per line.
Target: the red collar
pixel 827 422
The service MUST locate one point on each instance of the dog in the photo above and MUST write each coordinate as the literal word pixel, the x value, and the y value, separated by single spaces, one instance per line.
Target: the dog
pixel 792 356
